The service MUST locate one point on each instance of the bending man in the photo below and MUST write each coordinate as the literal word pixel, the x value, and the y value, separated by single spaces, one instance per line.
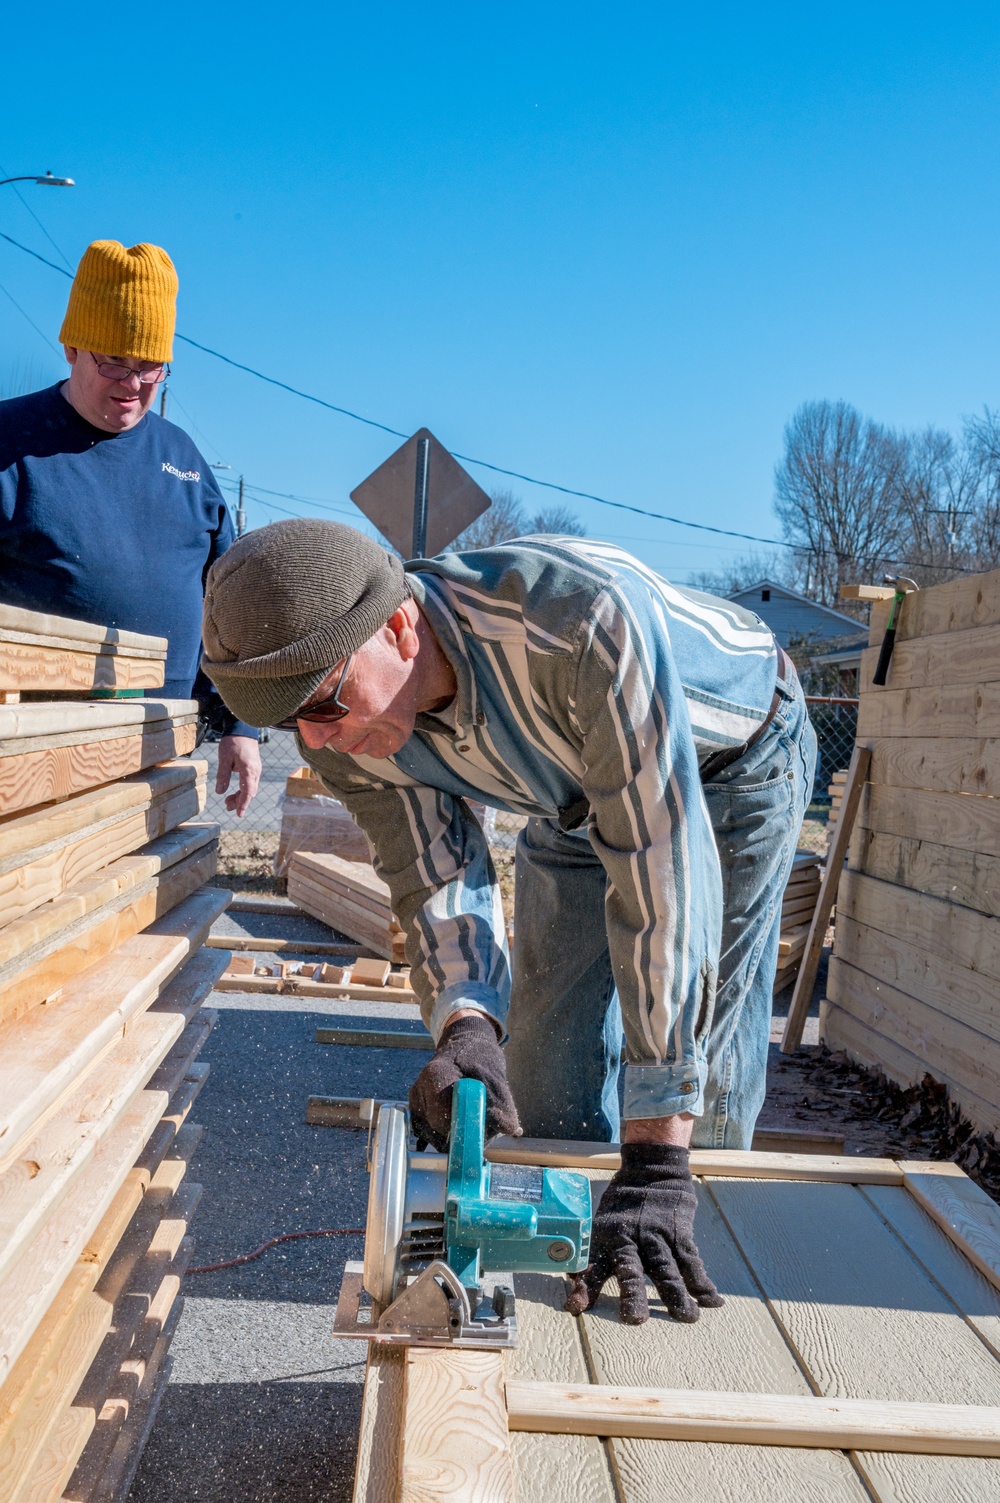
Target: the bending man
pixel 657 741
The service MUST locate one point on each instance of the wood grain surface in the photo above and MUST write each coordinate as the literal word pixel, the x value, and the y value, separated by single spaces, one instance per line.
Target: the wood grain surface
pixel 37 669
pixel 38 777
pixel 456 1447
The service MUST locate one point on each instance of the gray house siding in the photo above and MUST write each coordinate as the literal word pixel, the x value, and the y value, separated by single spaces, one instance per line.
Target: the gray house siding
pixel 791 616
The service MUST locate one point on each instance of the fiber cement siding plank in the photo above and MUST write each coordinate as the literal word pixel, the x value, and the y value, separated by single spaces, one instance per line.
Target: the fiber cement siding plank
pixel 866 1320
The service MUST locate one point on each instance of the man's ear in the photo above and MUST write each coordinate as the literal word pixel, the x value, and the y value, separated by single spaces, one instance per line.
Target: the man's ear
pixel 404 630
pixel 70 353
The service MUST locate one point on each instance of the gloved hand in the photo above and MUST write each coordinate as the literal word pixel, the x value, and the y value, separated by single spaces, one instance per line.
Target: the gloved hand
pixel 468 1047
pixel 645 1225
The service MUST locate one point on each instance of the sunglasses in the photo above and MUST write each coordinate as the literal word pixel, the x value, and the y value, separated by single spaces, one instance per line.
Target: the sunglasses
pixel 324 711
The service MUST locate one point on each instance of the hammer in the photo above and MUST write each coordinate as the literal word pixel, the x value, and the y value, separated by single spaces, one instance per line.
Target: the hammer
pixel 902 587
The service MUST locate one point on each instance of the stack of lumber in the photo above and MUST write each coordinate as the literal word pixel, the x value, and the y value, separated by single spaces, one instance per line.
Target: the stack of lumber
pixel 313 820
pixel 915 975
pixel 797 907
pixel 349 897
pixel 836 791
pixel 103 913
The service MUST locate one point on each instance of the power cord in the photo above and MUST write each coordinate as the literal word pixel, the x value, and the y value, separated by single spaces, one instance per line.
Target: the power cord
pixel 327 1231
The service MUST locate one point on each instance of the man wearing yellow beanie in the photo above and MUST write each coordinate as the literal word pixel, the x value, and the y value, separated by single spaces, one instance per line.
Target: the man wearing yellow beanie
pixel 109 513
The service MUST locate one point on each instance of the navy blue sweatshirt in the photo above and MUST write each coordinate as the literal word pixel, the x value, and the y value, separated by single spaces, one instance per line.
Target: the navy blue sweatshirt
pixel 119 529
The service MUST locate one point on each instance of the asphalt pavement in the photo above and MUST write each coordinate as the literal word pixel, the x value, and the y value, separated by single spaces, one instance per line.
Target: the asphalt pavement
pixel 263 1404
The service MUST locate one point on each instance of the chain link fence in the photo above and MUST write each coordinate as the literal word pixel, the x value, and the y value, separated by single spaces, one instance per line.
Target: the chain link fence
pixel 835 721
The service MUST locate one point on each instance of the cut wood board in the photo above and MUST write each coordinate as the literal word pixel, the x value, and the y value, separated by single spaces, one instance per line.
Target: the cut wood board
pixel 348 896
pixel 301 986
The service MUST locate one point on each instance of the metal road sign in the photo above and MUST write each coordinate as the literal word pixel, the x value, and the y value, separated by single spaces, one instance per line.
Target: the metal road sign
pixel 420 498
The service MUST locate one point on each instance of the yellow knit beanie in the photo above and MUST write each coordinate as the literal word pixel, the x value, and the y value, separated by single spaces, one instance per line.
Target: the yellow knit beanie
pixel 122 302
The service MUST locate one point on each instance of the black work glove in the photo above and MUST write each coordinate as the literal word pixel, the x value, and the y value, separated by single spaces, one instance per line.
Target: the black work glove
pixel 468 1048
pixel 645 1225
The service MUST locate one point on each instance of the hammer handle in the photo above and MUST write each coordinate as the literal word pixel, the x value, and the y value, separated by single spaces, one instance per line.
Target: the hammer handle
pixel 888 642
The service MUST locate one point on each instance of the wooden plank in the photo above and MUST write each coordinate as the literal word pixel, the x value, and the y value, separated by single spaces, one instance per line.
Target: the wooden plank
pixel 865 1319
pixel 24 1446
pixel 277 946
pixel 944 765
pixel 55 1465
pixel 39 981
pixel 43 1056
pixel 117 1478
pixel 44 878
pixel 455 1442
pixel 342 918
pixel 739 1346
pixel 728 1163
pixel 839 1030
pixel 376 1478
pixel 963 994
pixel 49 1339
pixel 866 592
pixel 940 1042
pixel 961 937
pixel 299 986
pixel 27 837
pixel 806 979
pixel 967 878
pixel 34 669
pixel 944 710
pixel 85 719
pixel 958 605
pixel 963 1211
pixel 37 1182
pixel 960 821
pixel 26 937
pixel 956 657
pixel 37 777
pixel 32 1284
pixel 756 1419
pixel 15 618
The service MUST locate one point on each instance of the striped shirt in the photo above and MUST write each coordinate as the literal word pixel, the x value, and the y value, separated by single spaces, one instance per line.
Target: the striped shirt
pixel 584 679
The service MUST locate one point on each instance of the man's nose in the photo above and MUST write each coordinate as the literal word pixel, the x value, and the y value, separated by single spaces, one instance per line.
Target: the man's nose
pixel 316 734
pixel 132 383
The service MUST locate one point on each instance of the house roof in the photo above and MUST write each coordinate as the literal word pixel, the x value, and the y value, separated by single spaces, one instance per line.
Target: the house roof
pixel 835 618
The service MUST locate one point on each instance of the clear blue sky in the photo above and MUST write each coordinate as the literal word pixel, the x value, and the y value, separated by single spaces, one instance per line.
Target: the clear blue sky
pixel 609 245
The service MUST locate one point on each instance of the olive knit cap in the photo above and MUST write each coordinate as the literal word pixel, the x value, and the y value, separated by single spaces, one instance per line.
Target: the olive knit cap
pixel 122 302
pixel 285 605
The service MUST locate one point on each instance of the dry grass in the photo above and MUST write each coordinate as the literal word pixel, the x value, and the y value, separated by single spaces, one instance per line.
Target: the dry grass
pixel 246 861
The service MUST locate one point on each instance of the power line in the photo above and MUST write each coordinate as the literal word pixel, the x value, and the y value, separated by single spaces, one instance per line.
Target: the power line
pixel 24 202
pixel 564 490
pixel 30 320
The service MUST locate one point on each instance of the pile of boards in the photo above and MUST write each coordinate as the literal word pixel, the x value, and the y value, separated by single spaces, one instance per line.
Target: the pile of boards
pixel 313 820
pixel 103 911
pixel 797 908
pixel 349 897
pixel 915 976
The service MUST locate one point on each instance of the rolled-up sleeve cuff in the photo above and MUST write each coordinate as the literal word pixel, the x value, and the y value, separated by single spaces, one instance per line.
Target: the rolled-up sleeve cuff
pixel 464 995
pixel 665 1090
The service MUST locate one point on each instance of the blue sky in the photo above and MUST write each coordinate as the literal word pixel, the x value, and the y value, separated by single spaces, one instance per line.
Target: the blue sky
pixel 610 246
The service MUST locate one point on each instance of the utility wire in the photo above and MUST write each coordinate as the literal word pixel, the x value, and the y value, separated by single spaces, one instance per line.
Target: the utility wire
pixel 57 248
pixel 30 320
pixel 564 490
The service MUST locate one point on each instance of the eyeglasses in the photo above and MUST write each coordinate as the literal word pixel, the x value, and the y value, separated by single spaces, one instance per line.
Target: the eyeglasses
pixel 324 711
pixel 122 372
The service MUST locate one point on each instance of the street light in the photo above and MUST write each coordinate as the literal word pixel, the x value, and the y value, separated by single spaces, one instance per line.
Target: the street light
pixel 48 181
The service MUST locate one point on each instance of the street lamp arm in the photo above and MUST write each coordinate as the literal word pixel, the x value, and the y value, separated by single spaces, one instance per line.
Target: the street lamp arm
pixel 47 181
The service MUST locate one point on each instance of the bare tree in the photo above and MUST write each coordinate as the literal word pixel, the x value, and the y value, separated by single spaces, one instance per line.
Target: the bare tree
pixel 837 495
pixel 503 520
pixel 559 521
pixel 981 440
pixel 743 571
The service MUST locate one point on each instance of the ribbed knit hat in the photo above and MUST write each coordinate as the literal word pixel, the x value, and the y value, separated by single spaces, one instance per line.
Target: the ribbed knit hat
pixel 285 605
pixel 122 302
